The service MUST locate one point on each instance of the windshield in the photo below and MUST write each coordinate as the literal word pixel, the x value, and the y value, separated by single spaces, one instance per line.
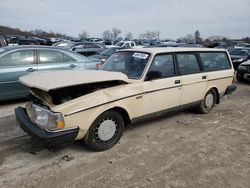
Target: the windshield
pixel 108 51
pixel 239 52
pixel 119 44
pixel 130 63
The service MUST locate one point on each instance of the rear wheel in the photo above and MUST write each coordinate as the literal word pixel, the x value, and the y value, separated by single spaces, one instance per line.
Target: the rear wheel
pixel 208 102
pixel 105 131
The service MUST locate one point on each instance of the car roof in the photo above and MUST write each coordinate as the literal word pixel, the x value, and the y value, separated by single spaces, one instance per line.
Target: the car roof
pixel 17 47
pixel 156 50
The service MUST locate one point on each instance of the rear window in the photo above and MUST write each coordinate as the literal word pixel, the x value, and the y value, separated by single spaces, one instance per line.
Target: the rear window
pixel 215 61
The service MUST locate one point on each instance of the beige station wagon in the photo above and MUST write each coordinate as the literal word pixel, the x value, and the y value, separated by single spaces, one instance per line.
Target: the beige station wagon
pixel 96 105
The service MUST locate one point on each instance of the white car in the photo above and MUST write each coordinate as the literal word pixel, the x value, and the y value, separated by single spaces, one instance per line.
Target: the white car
pixel 132 85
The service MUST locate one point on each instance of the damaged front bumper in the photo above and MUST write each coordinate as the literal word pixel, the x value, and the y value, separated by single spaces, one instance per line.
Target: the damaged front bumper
pixel 48 138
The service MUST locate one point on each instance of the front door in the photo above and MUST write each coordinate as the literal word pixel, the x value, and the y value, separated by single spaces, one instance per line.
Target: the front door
pixel 12 66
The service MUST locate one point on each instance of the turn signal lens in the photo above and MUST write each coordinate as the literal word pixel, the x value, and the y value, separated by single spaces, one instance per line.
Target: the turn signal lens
pixel 59 124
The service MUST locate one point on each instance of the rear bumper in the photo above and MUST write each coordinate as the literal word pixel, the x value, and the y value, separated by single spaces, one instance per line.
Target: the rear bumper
pixel 48 138
pixel 230 89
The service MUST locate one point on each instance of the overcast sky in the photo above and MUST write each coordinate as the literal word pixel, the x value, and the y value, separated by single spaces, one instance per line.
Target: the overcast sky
pixel 173 18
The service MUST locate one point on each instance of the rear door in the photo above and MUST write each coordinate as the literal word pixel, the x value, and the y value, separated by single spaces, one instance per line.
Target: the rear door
pixel 55 60
pixel 12 66
pixel 194 80
pixel 164 92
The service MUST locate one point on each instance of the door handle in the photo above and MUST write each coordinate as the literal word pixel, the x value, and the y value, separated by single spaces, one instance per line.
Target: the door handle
pixel 72 66
pixel 177 81
pixel 204 77
pixel 30 70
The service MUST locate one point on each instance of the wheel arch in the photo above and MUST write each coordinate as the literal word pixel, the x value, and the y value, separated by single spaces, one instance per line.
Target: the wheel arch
pixel 217 93
pixel 124 114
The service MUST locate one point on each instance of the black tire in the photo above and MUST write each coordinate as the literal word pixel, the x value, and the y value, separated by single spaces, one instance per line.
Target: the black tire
pixel 205 107
pixel 94 136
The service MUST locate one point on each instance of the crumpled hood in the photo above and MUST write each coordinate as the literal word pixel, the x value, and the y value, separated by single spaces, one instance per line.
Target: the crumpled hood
pixel 47 80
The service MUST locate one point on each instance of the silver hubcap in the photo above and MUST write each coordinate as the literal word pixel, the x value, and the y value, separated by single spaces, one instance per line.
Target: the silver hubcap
pixel 209 100
pixel 106 129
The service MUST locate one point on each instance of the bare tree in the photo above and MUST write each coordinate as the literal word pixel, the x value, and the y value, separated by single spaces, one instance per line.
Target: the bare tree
pixel 116 32
pixel 157 34
pixel 107 34
pixel 83 35
pixel 150 35
pixel 129 36
pixel 197 37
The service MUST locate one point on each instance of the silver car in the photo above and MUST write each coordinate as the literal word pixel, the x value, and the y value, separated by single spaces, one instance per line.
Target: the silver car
pixel 16 61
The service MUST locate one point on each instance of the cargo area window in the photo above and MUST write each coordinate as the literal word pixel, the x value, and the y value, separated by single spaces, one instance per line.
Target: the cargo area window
pixel 215 61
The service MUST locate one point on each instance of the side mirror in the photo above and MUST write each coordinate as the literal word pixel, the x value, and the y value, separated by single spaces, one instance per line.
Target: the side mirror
pixel 152 75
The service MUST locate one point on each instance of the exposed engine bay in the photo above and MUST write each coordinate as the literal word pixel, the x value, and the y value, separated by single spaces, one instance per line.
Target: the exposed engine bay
pixel 62 95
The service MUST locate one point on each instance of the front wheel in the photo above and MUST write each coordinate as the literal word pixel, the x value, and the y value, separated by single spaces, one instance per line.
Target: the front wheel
pixel 208 102
pixel 105 131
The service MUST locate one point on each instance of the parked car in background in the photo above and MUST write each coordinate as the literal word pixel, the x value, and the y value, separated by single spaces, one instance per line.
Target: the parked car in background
pixel 96 40
pixel 89 48
pixel 2 41
pixel 42 41
pixel 104 55
pixel 84 48
pixel 108 42
pixel 225 46
pixel 16 61
pixel 132 85
pixel 187 45
pixel 126 44
pixel 243 72
pixel 165 44
pixel 26 41
pixel 239 55
pixel 12 40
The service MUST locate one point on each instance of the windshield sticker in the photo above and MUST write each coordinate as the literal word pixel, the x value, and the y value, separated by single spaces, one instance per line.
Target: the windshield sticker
pixel 140 55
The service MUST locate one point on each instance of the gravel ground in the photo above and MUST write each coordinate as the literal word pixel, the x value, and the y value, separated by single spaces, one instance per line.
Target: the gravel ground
pixel 182 150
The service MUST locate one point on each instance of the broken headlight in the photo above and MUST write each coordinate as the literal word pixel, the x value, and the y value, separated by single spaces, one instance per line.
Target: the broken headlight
pixel 45 118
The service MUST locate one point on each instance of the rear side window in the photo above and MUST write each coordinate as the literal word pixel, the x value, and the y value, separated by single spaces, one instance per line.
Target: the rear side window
pixel 22 57
pixel 163 64
pixel 50 56
pixel 188 63
pixel 67 58
pixel 215 61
